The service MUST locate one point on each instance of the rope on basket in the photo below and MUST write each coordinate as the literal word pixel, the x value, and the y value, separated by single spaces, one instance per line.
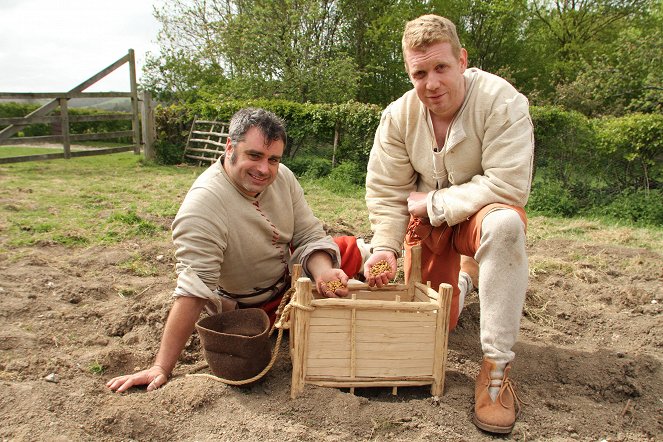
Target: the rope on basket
pixel 282 322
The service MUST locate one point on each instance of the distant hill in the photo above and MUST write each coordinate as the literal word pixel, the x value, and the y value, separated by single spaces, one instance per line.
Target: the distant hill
pixel 110 104
pixel 118 104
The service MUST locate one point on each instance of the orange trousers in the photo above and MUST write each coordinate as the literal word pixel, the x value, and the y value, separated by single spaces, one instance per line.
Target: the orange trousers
pixel 442 246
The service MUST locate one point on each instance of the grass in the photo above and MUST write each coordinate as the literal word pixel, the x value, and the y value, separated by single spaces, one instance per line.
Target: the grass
pixel 600 231
pixel 17 151
pixel 339 212
pixel 139 267
pixel 13 151
pixel 108 199
pixel 548 266
pixel 90 200
pixel 96 368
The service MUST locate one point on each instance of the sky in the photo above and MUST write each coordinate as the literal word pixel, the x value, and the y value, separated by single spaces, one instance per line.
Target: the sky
pixel 54 45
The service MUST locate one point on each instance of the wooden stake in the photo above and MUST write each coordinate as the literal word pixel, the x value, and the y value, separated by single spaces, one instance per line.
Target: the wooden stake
pixel 64 115
pixel 135 122
pixel 302 317
pixel 296 274
pixel 445 293
pixel 353 350
pixel 415 270
pixel 148 128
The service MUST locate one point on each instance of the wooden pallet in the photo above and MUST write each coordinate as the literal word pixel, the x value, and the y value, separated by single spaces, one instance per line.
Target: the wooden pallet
pixel 388 337
pixel 206 142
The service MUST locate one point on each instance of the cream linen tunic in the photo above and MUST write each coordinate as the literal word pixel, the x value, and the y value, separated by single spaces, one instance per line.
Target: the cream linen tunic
pixel 487 157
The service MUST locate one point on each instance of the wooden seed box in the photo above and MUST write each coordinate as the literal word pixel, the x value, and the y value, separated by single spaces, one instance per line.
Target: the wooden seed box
pixel 376 337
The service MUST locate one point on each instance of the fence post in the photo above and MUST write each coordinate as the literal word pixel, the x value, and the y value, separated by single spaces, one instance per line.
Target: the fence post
pixel 149 129
pixel 135 124
pixel 64 118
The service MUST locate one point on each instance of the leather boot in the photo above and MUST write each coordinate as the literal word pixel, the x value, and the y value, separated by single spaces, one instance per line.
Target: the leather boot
pixel 497 416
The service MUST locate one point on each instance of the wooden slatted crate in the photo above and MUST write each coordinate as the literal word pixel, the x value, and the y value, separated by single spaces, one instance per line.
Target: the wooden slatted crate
pixel 376 337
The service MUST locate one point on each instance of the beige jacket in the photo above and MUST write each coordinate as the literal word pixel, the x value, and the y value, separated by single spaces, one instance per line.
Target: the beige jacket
pixel 487 158
pixel 225 239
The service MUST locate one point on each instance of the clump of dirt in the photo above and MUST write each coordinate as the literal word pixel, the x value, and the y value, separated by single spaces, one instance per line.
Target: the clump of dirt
pixel 588 361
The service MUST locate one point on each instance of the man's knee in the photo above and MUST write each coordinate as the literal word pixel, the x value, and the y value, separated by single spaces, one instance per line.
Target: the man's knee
pixel 503 225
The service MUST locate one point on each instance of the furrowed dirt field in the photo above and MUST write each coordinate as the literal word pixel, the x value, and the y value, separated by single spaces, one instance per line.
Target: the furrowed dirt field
pixel 588 361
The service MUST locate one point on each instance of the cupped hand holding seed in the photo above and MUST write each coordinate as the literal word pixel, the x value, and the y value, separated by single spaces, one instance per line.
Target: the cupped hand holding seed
pixel 333 284
pixel 380 268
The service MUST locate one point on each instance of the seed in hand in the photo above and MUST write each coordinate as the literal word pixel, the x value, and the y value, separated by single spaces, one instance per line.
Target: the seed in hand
pixel 332 286
pixel 380 267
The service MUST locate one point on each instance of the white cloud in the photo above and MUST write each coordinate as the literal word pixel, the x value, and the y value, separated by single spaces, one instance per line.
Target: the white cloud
pixel 52 46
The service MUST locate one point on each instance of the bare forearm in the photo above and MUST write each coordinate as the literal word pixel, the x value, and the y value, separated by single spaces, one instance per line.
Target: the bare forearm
pixel 181 320
pixel 179 326
pixel 318 263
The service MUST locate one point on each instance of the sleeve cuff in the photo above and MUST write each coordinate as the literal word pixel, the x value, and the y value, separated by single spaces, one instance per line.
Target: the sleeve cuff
pixel 388 249
pixel 434 208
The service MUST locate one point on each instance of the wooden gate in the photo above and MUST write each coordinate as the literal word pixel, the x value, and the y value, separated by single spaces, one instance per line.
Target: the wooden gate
pixel 60 100
pixel 206 141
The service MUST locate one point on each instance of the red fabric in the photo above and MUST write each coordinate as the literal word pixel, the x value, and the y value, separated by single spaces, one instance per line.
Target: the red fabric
pixel 351 260
pixel 271 306
pixel 442 246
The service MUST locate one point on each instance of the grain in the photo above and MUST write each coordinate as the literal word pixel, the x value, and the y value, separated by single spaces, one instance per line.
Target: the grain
pixel 379 268
pixel 332 286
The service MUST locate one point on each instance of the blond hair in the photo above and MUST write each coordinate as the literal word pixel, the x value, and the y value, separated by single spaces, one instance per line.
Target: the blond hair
pixel 429 29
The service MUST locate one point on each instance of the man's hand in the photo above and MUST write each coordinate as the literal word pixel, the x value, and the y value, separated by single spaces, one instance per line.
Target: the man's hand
pixel 416 204
pixel 382 278
pixel 154 377
pixel 332 275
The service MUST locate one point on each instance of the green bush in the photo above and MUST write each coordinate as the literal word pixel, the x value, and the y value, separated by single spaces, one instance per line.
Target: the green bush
pixel 91 127
pixel 173 124
pixel 550 197
pixel 346 179
pixel 632 147
pixel 640 207
pixel 349 172
pixel 309 166
pixel 12 110
pixel 308 125
pixel 582 165
pixel 563 143
pixel 167 152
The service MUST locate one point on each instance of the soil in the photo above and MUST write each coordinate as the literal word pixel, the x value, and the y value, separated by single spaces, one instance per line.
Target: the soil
pixel 588 360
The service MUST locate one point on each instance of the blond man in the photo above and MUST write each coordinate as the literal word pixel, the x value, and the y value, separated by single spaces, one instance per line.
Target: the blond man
pixel 451 169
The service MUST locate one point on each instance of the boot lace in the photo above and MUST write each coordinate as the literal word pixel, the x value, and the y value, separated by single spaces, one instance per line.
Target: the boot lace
pixel 517 401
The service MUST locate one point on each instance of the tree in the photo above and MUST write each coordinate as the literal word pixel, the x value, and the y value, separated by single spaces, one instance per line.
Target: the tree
pixel 254 48
pixel 297 54
pixel 579 27
pixel 492 32
pixel 574 22
pixel 372 35
pixel 627 78
pixel 190 59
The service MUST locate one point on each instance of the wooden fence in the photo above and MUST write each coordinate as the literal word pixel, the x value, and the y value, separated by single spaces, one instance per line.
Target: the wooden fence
pixel 60 100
